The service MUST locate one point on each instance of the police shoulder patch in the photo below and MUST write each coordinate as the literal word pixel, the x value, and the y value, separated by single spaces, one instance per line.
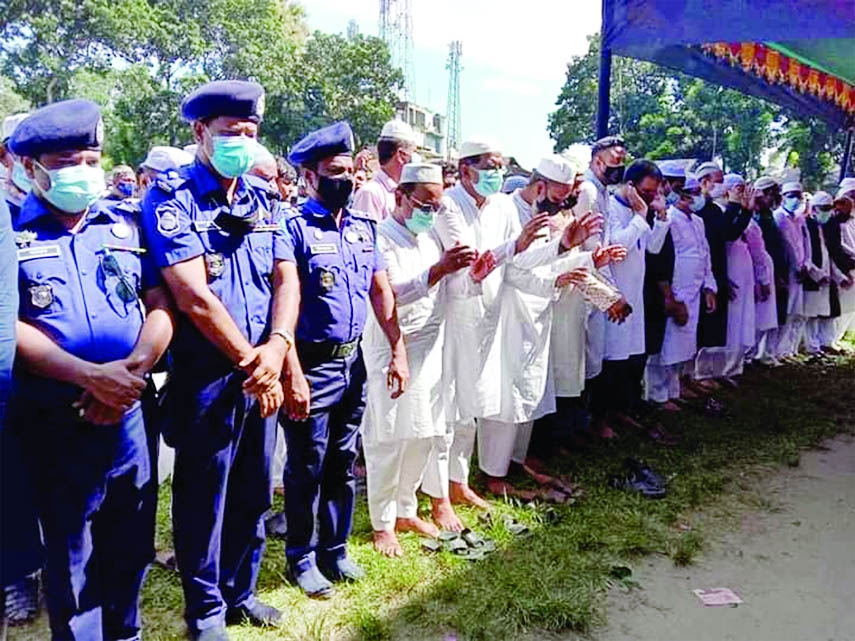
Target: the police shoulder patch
pixel 167 219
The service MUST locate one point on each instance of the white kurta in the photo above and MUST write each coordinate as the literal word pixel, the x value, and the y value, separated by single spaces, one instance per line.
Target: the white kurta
pixel 741 320
pixel 625 227
pixel 766 312
pixel 692 274
pixel 377 196
pixel 847 240
pixel 793 231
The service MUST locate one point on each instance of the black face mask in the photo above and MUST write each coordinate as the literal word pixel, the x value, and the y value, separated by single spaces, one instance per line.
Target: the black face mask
pixel 334 192
pixel 549 207
pixel 613 175
pixel 570 202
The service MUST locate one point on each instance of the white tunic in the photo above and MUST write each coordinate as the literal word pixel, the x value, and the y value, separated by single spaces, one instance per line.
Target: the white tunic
pixel 741 320
pixel 847 240
pixel 419 413
pixel 377 196
pixel 625 227
pixel 472 349
pixel 692 274
pixel 766 312
pixel 793 231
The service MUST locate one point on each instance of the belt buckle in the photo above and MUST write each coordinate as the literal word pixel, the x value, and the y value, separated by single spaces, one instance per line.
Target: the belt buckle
pixel 344 350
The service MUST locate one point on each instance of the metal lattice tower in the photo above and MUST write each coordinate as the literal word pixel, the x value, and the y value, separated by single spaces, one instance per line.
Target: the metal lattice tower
pixel 455 51
pixel 396 30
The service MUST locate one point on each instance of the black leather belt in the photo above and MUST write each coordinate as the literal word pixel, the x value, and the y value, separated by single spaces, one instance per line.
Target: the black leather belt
pixel 326 350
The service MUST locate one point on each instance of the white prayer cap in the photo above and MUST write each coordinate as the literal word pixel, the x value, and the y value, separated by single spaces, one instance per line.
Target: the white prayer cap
pixel 162 159
pixel 848 184
pixel 422 172
pixel 732 180
pixel 672 168
pixel 512 183
pixel 841 193
pixel 691 183
pixel 764 182
pixel 478 147
pixel 397 130
pixel 822 198
pixel 11 122
pixel 191 149
pixel 557 169
pixel 791 186
pixel 706 169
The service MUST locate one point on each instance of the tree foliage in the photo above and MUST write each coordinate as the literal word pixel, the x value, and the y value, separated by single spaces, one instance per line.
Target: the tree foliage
pixel 138 58
pixel 665 114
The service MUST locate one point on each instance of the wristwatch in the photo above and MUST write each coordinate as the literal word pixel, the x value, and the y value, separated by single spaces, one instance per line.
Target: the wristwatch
pixel 285 335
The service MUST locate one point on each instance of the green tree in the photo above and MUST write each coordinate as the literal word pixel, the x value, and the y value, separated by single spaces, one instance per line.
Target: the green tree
pixel 11 102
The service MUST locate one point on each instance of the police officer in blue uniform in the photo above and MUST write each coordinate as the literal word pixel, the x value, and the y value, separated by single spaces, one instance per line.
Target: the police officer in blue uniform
pixel 211 233
pixel 93 320
pixel 333 271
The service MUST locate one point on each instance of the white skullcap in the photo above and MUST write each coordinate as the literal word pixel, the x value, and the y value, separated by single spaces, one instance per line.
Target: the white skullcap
pixel 791 186
pixel 423 172
pixel 848 184
pixel 822 198
pixel 11 122
pixel 263 155
pixel 162 159
pixel 764 182
pixel 691 183
pixel 478 147
pixel 191 149
pixel 557 169
pixel 398 130
pixel 706 169
pixel 672 168
pixel 841 193
pixel 732 180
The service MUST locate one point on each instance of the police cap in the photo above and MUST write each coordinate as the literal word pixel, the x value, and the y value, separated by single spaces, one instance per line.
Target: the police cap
pixel 61 126
pixel 235 98
pixel 330 141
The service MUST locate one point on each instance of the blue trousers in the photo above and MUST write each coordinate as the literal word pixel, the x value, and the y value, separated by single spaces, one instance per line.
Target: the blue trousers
pixel 220 492
pixel 89 485
pixel 319 483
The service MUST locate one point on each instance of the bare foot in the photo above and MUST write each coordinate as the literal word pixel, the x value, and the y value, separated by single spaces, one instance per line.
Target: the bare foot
pixel 417 525
pixel 462 494
pixel 500 487
pixel 386 543
pixel 670 406
pixel 444 515
pixel 606 433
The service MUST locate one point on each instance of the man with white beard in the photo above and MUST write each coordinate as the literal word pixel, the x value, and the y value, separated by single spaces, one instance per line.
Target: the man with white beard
pixel 404 438
pixel 476 215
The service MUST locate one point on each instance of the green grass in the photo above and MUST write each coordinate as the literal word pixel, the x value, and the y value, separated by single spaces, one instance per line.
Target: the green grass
pixel 557 578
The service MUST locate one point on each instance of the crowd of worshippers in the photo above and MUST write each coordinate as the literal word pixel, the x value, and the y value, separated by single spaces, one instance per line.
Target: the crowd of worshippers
pixel 405 322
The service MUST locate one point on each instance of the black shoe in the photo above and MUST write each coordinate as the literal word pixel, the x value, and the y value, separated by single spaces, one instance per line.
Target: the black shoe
pixel 342 569
pixel 276 527
pixel 306 575
pixel 211 634
pixel 255 613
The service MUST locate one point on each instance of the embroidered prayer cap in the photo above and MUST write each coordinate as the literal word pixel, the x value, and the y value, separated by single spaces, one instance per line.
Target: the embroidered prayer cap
pixel 423 172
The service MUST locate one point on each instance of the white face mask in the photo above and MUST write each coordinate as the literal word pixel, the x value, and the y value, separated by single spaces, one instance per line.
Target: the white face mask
pixel 717 191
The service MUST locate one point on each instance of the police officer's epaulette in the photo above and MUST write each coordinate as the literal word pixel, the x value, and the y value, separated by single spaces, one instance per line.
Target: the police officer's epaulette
pixel 129 207
pixel 362 215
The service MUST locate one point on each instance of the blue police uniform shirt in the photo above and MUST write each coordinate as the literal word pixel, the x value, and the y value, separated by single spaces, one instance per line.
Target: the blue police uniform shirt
pixel 178 224
pixel 336 266
pixel 69 284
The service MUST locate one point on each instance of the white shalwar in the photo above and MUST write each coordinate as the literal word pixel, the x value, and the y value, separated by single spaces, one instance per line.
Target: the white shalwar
pixel 765 311
pixel 817 304
pixel 846 322
pixel 403 437
pixel 472 352
pixel 377 196
pixel 794 232
pixel 625 227
pixel 692 275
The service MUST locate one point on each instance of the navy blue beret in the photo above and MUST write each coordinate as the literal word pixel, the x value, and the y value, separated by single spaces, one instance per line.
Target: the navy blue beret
pixel 236 98
pixel 60 126
pixel 323 143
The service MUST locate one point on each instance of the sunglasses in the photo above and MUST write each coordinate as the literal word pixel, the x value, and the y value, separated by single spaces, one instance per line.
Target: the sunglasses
pixel 110 268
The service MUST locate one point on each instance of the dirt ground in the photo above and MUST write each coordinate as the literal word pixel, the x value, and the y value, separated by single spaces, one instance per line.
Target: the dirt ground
pixel 792 562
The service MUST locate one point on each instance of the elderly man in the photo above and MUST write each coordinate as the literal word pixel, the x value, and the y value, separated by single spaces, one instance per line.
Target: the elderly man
pixel 791 222
pixel 403 437
pixel 395 149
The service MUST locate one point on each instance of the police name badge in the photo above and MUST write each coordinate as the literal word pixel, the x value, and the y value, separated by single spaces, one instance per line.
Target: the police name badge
pixel 215 264
pixel 327 280
pixel 167 220
pixel 25 238
pixel 323 248
pixel 121 230
pixel 41 296
pixel 43 251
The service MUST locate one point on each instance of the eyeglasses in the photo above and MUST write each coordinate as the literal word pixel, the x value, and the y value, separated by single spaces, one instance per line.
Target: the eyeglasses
pixel 110 268
pixel 425 206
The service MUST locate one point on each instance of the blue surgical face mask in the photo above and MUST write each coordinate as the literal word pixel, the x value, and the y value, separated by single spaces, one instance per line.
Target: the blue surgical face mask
pixel 233 156
pixel 824 216
pixel 20 178
pixel 698 203
pixel 126 189
pixel 489 182
pixel 791 203
pixel 73 189
pixel 672 198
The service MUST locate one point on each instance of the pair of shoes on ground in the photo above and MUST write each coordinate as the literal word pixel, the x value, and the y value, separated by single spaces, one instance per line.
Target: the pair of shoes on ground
pixel 255 613
pixel 639 478
pixel 316 579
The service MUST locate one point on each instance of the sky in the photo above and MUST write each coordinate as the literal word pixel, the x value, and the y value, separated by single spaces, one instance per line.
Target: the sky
pixel 514 59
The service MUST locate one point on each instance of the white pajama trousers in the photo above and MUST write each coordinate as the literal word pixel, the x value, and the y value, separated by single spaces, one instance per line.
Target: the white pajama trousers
pixel 394 471
pixel 789 337
pixel 499 443
pixel 662 382
pixel 846 323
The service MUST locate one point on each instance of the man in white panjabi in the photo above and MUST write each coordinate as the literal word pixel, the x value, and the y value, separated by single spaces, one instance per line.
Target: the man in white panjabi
pixel 404 438
pixel 820 271
pixel 395 148
pixel 475 214
pixel 791 222
pixel 692 279
pixel 608 156
pixel 765 295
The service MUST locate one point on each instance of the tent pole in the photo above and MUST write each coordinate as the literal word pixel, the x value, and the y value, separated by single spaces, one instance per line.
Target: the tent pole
pixel 604 91
pixel 847 155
